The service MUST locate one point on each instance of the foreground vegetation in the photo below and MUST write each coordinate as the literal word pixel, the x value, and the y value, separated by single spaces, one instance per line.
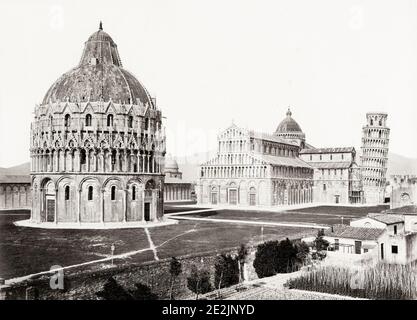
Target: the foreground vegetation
pixel 384 281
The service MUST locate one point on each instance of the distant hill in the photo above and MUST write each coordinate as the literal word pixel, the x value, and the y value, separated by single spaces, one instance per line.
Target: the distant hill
pixel 398 164
pixel 22 169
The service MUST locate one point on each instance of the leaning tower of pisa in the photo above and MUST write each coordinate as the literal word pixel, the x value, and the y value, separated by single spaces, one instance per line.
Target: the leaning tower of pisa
pixel 374 159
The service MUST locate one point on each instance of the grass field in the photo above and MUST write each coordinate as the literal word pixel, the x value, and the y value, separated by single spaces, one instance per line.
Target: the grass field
pixel 26 251
pixel 319 215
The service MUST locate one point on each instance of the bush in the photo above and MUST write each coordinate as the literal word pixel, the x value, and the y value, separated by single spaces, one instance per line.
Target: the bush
pixel 287 257
pixel 274 257
pixel 113 291
pixel 199 281
pixel 266 259
pixel 143 292
pixel 226 271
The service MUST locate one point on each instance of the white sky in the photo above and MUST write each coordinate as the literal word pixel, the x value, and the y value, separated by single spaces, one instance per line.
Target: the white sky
pixel 209 62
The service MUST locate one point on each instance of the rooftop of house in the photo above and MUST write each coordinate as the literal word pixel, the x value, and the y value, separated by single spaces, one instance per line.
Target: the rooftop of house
pixel 410 209
pixel 345 231
pixel 386 218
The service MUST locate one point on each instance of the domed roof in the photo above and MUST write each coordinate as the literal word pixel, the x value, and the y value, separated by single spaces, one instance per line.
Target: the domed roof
pixel 99 77
pixel 171 164
pixel 288 125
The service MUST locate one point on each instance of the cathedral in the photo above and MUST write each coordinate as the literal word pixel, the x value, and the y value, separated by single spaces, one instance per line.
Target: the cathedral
pixel 253 168
pixel 97 145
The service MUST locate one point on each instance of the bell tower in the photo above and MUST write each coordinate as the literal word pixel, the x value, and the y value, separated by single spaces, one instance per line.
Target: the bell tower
pixel 374 159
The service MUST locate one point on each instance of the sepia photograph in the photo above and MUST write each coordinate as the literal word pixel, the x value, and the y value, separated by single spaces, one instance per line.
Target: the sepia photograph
pixel 225 153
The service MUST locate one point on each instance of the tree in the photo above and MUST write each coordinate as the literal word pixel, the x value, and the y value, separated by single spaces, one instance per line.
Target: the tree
pixel 199 281
pixel 175 269
pixel 320 243
pixel 287 256
pixel 113 291
pixel 226 271
pixel 266 259
pixel 303 252
pixel 242 255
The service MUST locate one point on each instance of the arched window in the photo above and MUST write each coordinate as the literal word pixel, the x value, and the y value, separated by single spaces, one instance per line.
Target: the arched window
pixel 110 120
pixel 380 122
pixel 130 122
pixel 134 193
pixel 372 122
pixel 88 120
pixel 83 156
pixel 113 193
pixel 67 121
pixel 67 193
pixel 90 193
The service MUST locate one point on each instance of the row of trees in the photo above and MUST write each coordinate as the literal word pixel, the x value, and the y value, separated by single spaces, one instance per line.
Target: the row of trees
pixel 228 271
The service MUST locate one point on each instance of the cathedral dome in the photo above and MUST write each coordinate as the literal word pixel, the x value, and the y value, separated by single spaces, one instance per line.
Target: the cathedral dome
pixel 288 125
pixel 171 165
pixel 99 77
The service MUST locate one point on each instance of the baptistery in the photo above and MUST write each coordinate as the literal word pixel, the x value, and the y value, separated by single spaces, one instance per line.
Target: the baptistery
pixel 97 145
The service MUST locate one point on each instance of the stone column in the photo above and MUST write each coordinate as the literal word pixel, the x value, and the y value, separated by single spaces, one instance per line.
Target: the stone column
pixel 124 165
pixel 125 205
pixel 102 205
pixel 87 160
pixel 147 163
pixel 56 206
pixel 117 165
pixel 77 165
pixel 79 206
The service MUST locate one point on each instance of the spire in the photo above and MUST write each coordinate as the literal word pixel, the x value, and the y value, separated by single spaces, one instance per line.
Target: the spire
pixel 289 113
pixel 100 27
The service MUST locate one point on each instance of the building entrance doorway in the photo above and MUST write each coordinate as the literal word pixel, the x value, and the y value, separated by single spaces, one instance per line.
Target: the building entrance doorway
pixel 214 198
pixel 48 204
pixel 252 196
pixel 50 210
pixel 147 212
pixel 337 199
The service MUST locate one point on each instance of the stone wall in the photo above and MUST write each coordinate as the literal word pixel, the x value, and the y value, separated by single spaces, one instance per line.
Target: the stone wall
pixel 82 284
pixel 15 196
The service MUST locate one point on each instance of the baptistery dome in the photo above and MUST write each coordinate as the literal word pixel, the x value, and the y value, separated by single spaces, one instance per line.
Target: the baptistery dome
pixel 98 77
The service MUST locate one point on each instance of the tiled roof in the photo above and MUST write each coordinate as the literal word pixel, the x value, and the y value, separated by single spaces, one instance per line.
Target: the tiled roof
pixel 327 150
pixel 345 231
pixel 269 137
pixel 331 165
pixel 14 178
pixel 282 161
pixel 386 218
pixel 411 209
